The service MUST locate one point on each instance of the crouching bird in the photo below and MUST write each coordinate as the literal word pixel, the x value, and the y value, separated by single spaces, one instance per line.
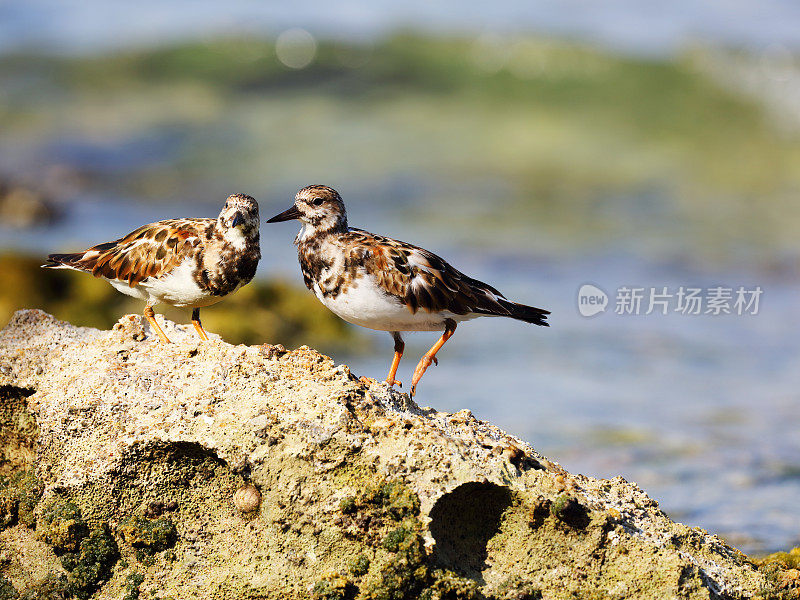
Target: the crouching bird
pixel 183 262
pixel 388 285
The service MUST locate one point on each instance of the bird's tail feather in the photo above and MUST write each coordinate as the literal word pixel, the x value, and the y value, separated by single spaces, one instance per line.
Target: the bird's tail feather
pixel 529 314
pixel 64 261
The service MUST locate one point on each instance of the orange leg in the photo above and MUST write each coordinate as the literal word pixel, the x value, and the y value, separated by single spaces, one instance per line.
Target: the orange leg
pixel 151 316
pixel 430 355
pixel 399 346
pixel 198 325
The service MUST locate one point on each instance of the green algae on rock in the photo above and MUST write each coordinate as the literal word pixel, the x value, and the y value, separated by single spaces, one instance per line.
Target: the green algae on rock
pixel 790 560
pixel 19 494
pixel 359 565
pixel 334 587
pixel 385 518
pixel 132 583
pixel 366 496
pixel 87 555
pixel 782 570
pixel 92 564
pixel 7 591
pixel 149 535
pixel 60 525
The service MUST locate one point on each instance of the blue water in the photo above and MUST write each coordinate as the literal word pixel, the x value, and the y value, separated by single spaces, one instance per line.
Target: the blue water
pixel 701 411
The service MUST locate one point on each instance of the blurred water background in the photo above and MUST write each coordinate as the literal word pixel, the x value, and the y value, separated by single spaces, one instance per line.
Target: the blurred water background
pixel 536 146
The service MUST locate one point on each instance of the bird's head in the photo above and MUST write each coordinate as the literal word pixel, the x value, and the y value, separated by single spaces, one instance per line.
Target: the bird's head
pixel 319 208
pixel 240 212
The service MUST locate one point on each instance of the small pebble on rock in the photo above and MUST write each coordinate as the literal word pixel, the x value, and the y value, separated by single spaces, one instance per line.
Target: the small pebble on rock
pixel 247 498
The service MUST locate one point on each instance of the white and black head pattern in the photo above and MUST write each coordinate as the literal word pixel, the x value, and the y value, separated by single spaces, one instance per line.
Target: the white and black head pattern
pixel 239 211
pixel 319 208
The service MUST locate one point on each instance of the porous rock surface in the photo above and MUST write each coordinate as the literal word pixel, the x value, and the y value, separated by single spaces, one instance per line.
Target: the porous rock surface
pixel 132 451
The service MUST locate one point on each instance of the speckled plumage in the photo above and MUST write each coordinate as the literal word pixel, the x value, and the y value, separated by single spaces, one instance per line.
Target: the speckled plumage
pixel 386 284
pixel 420 279
pixel 183 262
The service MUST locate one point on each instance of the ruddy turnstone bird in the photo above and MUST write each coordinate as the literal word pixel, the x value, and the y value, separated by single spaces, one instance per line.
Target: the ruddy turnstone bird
pixel 183 262
pixel 385 284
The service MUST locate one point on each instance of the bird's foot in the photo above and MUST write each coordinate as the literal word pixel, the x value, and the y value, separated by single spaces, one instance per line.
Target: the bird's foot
pixel 423 365
pixel 368 381
pixel 430 355
pixel 390 381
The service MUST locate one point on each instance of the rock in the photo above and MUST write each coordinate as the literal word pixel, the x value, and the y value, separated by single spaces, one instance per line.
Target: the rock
pixel 140 447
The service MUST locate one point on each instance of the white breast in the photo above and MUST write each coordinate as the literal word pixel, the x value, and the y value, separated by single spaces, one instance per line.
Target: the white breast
pixel 365 303
pixel 179 287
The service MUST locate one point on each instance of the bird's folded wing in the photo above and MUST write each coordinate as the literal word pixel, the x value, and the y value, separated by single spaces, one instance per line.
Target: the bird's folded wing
pixel 421 279
pixel 150 251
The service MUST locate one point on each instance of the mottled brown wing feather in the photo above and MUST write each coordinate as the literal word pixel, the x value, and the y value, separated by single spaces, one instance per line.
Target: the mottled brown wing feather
pixel 420 278
pixel 151 251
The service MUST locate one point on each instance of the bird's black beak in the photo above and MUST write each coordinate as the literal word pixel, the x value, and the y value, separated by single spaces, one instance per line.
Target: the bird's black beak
pixel 238 219
pixel 287 215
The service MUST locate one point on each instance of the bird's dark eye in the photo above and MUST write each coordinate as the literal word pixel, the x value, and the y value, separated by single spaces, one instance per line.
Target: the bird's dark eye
pixel 318 201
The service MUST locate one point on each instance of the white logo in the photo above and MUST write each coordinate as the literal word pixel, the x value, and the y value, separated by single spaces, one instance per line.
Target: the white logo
pixel 591 300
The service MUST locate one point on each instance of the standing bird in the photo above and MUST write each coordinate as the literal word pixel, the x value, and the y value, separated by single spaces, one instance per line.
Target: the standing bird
pixel 183 262
pixel 385 284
